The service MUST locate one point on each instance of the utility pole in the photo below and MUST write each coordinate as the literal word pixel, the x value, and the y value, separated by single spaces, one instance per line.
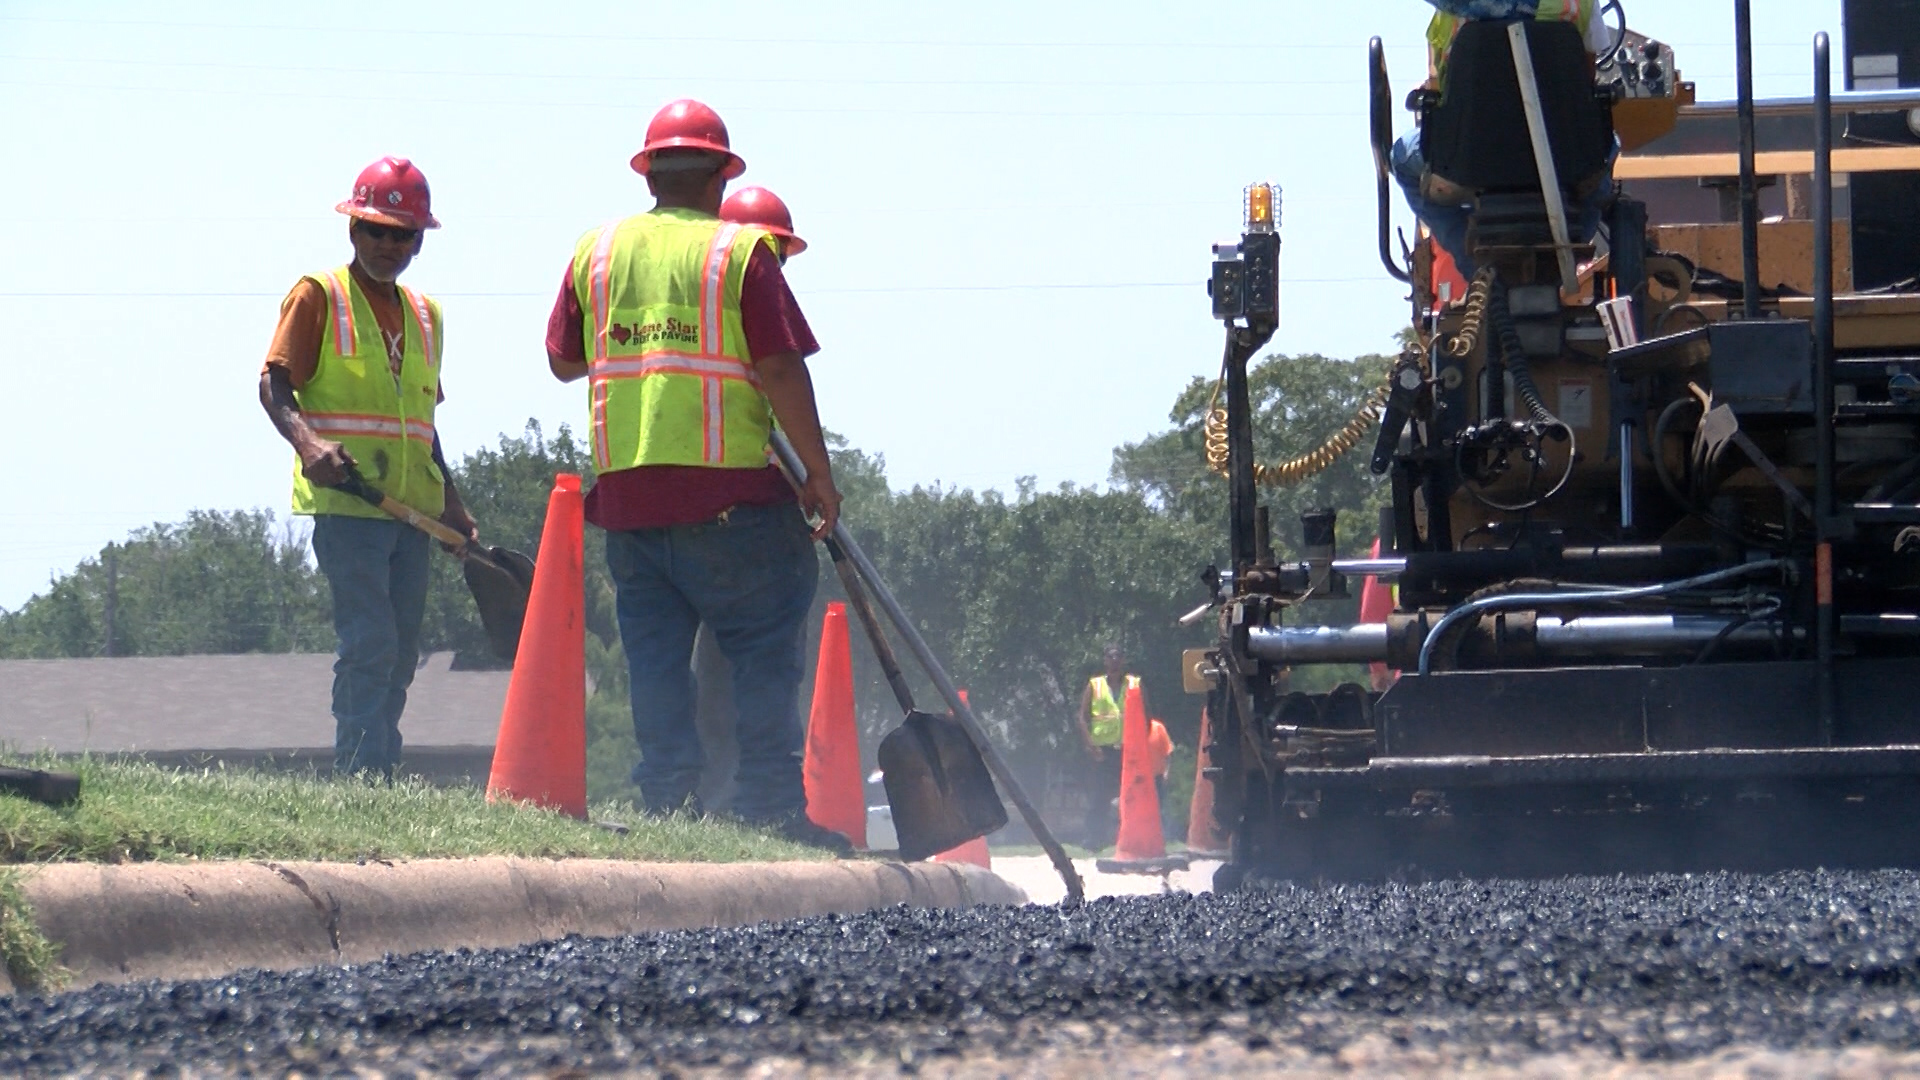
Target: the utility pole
pixel 111 646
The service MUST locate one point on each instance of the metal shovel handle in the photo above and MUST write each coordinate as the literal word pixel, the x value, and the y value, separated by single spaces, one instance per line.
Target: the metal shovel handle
pixel 962 712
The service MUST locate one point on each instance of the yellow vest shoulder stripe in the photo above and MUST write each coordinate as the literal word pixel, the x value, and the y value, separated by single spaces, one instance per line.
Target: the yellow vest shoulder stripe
pixel 340 298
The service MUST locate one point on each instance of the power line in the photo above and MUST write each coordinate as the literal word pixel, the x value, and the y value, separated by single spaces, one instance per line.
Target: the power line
pixel 735 39
pixel 832 290
pixel 724 80
pixel 648 107
pixel 1217 81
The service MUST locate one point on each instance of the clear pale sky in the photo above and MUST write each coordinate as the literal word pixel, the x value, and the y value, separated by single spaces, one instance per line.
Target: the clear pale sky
pixel 1009 205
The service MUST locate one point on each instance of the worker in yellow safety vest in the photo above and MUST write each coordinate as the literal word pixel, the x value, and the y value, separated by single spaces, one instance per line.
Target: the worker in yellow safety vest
pixel 352 381
pixel 692 346
pixel 1102 706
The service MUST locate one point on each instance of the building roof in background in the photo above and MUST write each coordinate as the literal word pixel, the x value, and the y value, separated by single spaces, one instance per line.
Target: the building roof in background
pixel 246 701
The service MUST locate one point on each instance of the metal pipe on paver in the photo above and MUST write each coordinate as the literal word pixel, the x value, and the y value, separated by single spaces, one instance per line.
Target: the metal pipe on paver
pixel 1593 636
pixel 1749 184
pixel 1823 497
pixel 962 712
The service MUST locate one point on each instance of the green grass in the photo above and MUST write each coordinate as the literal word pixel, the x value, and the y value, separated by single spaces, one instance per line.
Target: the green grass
pixel 135 812
pixel 31 960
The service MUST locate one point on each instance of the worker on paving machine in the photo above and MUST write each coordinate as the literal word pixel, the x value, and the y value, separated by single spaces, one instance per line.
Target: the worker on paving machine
pixel 352 380
pixel 1445 211
pixel 1100 722
pixel 693 345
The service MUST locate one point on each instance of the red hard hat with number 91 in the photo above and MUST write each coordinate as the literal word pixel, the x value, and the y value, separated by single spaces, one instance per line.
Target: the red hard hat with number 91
pixel 758 206
pixel 393 192
pixel 688 125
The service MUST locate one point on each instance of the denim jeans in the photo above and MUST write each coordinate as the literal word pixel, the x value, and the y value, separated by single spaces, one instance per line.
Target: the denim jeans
pixel 1449 223
pixel 750 577
pixel 377 570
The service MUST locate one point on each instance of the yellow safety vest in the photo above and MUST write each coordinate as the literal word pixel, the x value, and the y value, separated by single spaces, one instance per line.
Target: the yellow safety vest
pixel 1443 28
pixel 1107 715
pixel 669 379
pixel 354 400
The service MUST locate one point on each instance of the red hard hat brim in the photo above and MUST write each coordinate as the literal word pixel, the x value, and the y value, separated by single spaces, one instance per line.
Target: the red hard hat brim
pixel 365 213
pixel 734 167
pixel 795 245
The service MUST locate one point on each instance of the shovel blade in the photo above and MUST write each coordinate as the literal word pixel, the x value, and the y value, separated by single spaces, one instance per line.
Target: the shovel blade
pixel 938 786
pixel 500 592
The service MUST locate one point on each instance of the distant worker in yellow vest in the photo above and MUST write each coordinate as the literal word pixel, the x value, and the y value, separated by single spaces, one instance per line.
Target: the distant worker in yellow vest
pixel 352 380
pixel 692 345
pixel 1102 705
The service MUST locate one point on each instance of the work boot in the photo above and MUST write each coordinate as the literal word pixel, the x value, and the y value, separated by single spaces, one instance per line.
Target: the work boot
pixel 800 830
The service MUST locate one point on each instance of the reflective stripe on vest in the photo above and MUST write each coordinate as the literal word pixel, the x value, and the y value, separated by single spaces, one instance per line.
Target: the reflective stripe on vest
pixel 651 376
pixel 354 399
pixel 1107 711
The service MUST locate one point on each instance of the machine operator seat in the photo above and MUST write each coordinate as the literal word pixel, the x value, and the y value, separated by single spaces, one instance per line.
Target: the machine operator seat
pixel 1478 150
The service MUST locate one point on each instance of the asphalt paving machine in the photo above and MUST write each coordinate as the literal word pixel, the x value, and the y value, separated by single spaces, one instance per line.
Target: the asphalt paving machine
pixel 1655 515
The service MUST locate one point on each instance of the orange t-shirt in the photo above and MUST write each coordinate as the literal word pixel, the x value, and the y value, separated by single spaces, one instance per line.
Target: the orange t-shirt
pixel 1159 748
pixel 303 325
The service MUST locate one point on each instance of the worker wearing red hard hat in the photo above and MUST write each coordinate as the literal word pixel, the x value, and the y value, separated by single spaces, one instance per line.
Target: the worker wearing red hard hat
pixel 352 380
pixel 693 346
pixel 758 206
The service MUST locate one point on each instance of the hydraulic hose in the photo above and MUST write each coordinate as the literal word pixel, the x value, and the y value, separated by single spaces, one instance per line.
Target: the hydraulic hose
pixel 1578 595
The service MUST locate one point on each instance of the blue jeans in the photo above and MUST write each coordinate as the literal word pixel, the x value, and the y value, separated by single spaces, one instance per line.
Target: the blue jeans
pixel 377 570
pixel 1449 223
pixel 751 578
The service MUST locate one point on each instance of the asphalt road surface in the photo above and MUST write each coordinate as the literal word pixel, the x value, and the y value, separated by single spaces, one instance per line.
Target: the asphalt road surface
pixel 1786 975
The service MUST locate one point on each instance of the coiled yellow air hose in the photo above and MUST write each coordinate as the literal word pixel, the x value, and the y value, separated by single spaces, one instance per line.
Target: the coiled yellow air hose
pixel 1306 466
pixel 1474 319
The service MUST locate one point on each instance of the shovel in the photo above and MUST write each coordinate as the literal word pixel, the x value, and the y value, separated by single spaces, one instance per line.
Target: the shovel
pixel 498 578
pixel 939 770
pixel 940 790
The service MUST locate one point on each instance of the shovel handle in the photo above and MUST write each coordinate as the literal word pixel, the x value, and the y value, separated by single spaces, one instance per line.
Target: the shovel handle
pixel 863 608
pixel 464 546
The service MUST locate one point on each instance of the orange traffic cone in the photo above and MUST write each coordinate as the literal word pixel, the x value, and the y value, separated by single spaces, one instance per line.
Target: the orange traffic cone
pixel 1376 603
pixel 1142 836
pixel 1204 836
pixel 975 850
pixel 540 755
pixel 835 796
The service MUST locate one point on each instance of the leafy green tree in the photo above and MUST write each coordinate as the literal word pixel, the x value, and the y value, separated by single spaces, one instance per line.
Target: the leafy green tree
pixel 219 582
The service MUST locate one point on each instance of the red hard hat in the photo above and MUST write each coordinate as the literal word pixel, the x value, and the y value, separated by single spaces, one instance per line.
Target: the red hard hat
pixel 391 191
pixel 688 125
pixel 758 206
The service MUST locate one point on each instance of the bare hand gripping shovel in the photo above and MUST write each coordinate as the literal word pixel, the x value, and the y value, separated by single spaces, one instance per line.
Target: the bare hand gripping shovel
pixel 499 579
pixel 939 770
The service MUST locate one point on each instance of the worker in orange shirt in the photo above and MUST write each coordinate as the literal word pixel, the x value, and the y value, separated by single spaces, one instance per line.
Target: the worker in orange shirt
pixel 351 381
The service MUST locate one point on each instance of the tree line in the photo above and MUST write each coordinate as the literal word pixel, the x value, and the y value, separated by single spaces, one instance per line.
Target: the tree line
pixel 1016 592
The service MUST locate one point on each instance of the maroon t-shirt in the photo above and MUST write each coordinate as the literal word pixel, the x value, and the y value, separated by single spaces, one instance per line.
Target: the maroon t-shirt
pixel 661 496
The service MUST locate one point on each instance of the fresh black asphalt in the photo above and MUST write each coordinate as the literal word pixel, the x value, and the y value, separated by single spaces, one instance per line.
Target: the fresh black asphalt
pixel 1645 969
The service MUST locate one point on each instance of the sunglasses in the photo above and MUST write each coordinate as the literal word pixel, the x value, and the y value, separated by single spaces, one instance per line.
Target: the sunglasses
pixel 389 232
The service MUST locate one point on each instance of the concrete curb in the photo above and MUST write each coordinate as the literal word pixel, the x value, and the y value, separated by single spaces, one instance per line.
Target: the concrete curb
pixel 200 920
